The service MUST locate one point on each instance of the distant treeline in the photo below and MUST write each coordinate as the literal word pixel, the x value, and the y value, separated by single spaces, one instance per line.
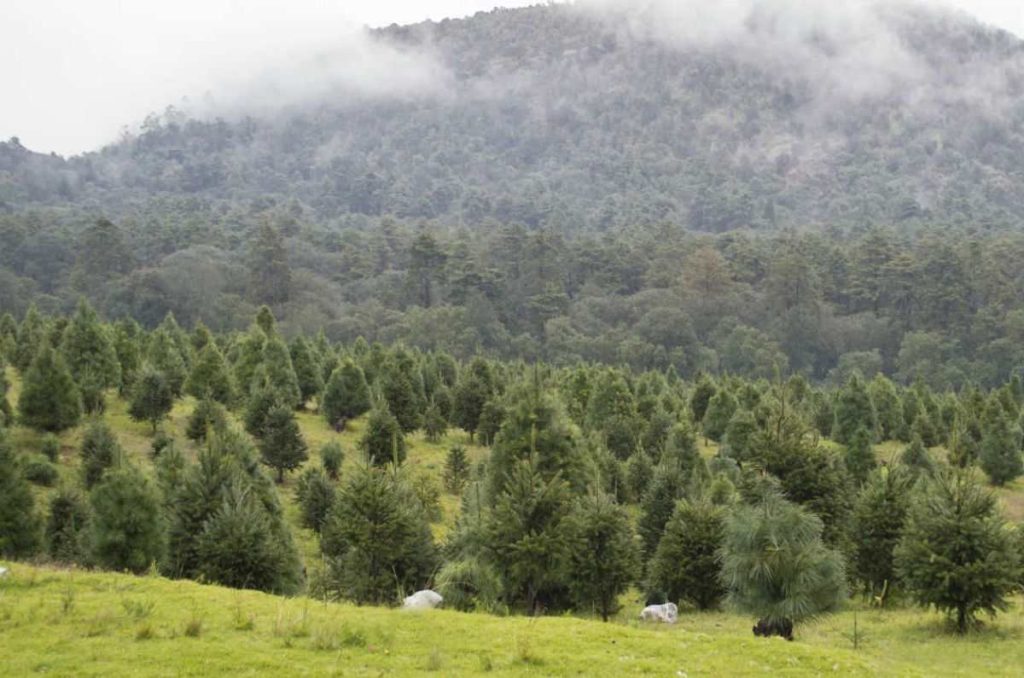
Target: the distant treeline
pixel 939 305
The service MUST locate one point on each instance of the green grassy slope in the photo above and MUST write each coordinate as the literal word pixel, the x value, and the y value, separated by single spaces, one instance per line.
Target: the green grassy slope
pixel 100 624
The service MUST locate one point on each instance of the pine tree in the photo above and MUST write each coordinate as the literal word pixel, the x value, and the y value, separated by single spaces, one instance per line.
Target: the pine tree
pixel 492 416
pixel 100 451
pixel 535 427
pixel 49 399
pixel 90 355
pixel 667 487
pixel 207 416
pixel 776 566
pixel 528 536
pixel 685 565
pixel 315 496
pixel 248 359
pixel 860 455
pixel 266 322
pixel 456 469
pixel 281 444
pixel 701 397
pixel 307 369
pixel 1000 455
pixel 434 425
pixel 68 527
pixel 164 356
pixel 888 408
pixel 383 441
pixel 238 546
pixel 210 377
pixel 398 392
pixel 741 427
pixel 261 402
pixel 277 374
pixel 332 456
pixel 346 395
pixel 917 459
pixel 854 410
pixel 639 473
pixel 19 524
pixel 228 463
pixel 376 541
pixel 604 557
pixel 128 524
pixel 879 515
pixel 955 553
pixel 152 397
pixel 719 412
pixel 127 343
pixel 31 336
pixel 469 397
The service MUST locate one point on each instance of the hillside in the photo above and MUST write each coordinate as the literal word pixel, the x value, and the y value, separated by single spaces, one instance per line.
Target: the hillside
pixel 588 117
pixel 67 623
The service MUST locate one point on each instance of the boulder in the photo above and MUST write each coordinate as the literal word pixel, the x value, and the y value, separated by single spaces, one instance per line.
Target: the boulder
pixel 422 600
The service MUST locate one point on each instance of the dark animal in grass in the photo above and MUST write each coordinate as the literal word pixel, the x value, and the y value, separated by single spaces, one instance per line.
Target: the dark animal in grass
pixel 767 628
pixel 340 425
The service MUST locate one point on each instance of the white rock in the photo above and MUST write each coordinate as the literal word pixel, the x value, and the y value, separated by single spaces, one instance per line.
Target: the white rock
pixel 666 614
pixel 422 600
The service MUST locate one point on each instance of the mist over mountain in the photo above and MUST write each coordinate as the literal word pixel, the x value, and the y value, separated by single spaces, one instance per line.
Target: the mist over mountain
pixel 718 187
pixel 603 114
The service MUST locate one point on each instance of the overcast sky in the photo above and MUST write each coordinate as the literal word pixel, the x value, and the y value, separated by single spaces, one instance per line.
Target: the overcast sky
pixel 74 72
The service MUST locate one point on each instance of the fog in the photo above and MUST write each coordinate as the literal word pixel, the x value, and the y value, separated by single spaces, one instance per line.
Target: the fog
pixel 76 73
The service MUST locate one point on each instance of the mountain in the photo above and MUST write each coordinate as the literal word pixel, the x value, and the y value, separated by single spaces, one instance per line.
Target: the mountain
pixel 709 187
pixel 592 116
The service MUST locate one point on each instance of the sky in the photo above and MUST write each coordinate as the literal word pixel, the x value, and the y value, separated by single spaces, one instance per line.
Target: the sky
pixel 75 72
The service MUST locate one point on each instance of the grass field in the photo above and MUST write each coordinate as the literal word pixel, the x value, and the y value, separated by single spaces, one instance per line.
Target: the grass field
pixel 77 623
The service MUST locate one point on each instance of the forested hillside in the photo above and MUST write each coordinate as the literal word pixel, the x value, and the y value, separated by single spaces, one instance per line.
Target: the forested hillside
pixel 581 183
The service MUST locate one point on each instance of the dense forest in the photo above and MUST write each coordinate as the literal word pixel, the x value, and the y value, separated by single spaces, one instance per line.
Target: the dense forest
pixel 582 189
pixel 768 494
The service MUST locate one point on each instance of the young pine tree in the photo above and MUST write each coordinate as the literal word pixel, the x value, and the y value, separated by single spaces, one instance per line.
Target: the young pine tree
pixel 604 557
pixel 308 370
pixel 346 395
pixel 19 524
pixel 152 397
pixel 332 456
pixel 860 455
pixel 1000 456
pixel 917 459
pixel 383 441
pixel 68 527
pixel 775 564
pixel 719 412
pixel 879 515
pixel 88 349
pixel 239 547
pixel 853 411
pixel 434 424
pixel 955 553
pixel 376 541
pixel 50 400
pixel 210 377
pixel 685 564
pixel 100 451
pixel 208 415
pixel 282 446
pixel 529 536
pixel 456 470
pixel 164 356
pixel 315 495
pixel 128 523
